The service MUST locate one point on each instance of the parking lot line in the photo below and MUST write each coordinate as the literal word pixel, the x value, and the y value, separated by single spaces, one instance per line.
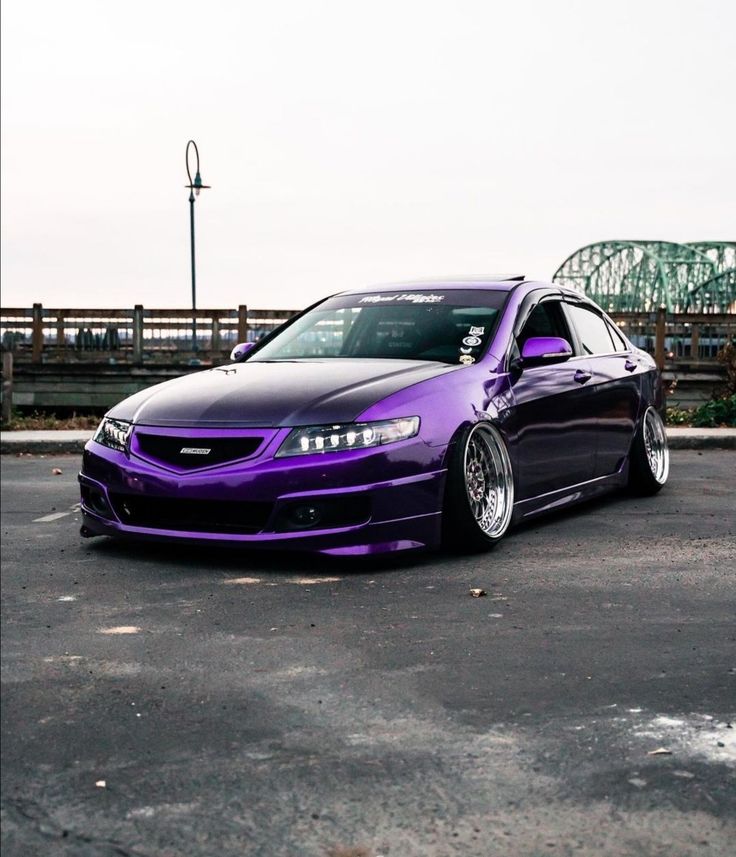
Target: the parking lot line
pixel 54 516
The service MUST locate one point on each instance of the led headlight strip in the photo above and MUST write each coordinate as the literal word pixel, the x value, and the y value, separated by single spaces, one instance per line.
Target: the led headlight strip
pixel 113 433
pixel 317 439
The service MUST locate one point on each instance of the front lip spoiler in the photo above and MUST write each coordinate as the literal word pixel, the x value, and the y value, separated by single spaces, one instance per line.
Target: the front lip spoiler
pixel 420 531
pixel 325 540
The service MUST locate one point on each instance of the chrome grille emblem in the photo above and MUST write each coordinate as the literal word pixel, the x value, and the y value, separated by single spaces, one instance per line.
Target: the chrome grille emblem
pixel 194 450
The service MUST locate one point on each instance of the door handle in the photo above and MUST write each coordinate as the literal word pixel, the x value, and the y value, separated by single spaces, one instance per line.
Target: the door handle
pixel 630 365
pixel 582 377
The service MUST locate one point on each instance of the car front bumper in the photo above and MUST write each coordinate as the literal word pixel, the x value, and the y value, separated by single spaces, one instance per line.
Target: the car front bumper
pixel 376 500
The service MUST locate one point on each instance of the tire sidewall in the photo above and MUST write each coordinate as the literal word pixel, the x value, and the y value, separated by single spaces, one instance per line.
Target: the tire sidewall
pixel 460 528
pixel 641 478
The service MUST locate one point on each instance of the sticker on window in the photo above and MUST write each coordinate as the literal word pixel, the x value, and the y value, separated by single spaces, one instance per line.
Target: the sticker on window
pixel 467 359
pixel 377 299
pixel 410 297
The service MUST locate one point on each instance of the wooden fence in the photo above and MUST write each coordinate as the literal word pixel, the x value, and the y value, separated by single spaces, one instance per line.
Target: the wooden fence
pixel 138 335
pixel 679 340
pixel 92 358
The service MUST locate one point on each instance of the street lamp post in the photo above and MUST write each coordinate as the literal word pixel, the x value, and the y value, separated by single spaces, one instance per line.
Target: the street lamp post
pixel 194 188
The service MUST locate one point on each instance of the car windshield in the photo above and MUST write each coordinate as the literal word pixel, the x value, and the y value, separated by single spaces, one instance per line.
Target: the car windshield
pixel 453 326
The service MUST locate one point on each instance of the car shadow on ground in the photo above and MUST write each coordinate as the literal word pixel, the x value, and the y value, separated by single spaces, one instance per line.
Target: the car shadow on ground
pixel 236 559
pixel 279 563
pixel 619 497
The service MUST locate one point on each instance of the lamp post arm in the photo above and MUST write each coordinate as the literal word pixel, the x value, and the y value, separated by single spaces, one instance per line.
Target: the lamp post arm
pixel 196 152
pixel 191 237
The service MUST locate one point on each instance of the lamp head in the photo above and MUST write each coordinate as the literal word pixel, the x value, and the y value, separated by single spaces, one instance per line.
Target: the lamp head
pixel 197 185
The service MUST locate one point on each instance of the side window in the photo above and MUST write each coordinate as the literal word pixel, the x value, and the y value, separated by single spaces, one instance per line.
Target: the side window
pixel 546 319
pixel 619 343
pixel 592 330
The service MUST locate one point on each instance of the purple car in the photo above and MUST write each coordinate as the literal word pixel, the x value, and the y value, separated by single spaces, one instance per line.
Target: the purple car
pixel 383 419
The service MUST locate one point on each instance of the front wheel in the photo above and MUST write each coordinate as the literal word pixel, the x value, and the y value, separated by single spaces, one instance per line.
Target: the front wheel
pixel 479 497
pixel 649 464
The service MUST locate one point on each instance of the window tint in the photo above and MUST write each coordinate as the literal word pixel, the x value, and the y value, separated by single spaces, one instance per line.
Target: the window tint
pixel 546 319
pixel 592 330
pixel 324 337
pixel 390 329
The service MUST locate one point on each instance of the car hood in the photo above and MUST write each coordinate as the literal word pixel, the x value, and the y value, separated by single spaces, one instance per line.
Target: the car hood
pixel 263 394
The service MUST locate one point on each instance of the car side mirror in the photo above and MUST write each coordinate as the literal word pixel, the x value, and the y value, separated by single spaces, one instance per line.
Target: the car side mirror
pixel 539 350
pixel 240 350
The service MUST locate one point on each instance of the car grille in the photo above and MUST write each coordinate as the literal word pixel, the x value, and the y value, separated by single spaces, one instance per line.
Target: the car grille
pixel 203 516
pixel 168 449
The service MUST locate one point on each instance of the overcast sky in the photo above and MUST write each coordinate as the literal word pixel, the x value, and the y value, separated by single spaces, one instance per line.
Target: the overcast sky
pixel 352 142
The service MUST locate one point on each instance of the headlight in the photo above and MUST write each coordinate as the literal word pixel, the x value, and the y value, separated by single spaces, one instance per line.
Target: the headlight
pixel 113 433
pixel 312 439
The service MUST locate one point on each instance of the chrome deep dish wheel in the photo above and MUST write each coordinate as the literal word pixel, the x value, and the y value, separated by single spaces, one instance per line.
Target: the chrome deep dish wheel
pixel 655 446
pixel 489 481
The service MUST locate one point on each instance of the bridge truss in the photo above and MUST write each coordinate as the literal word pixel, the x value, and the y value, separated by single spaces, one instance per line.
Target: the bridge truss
pixel 641 276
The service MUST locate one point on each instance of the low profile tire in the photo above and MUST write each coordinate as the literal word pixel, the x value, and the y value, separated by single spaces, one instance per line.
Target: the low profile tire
pixel 479 496
pixel 649 464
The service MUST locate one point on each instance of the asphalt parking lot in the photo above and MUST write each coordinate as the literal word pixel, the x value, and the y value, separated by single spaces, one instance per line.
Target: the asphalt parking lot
pixel 182 702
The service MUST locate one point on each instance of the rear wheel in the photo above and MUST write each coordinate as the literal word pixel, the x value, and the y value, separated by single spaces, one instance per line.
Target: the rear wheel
pixel 649 464
pixel 479 497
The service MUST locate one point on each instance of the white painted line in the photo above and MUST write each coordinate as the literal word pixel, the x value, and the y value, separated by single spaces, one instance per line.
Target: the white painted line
pixel 121 629
pixel 300 581
pixel 52 517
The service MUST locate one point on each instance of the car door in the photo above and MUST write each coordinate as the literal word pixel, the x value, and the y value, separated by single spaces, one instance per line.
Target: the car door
pixel 616 384
pixel 552 423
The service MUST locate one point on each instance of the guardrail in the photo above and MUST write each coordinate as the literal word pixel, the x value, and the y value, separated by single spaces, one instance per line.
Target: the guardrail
pixel 138 335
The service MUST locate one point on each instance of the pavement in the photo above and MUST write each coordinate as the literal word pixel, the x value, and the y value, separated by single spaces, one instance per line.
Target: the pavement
pixel 60 442
pixel 43 442
pixel 161 701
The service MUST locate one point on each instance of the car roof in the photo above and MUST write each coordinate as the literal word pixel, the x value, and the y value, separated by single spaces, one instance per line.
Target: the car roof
pixel 502 284
pixel 507 284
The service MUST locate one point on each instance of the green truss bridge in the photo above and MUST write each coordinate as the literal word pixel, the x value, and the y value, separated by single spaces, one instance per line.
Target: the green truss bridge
pixel 644 276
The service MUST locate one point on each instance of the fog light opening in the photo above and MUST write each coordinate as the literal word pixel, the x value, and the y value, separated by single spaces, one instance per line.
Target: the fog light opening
pixel 304 516
pixel 95 501
pixel 327 513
